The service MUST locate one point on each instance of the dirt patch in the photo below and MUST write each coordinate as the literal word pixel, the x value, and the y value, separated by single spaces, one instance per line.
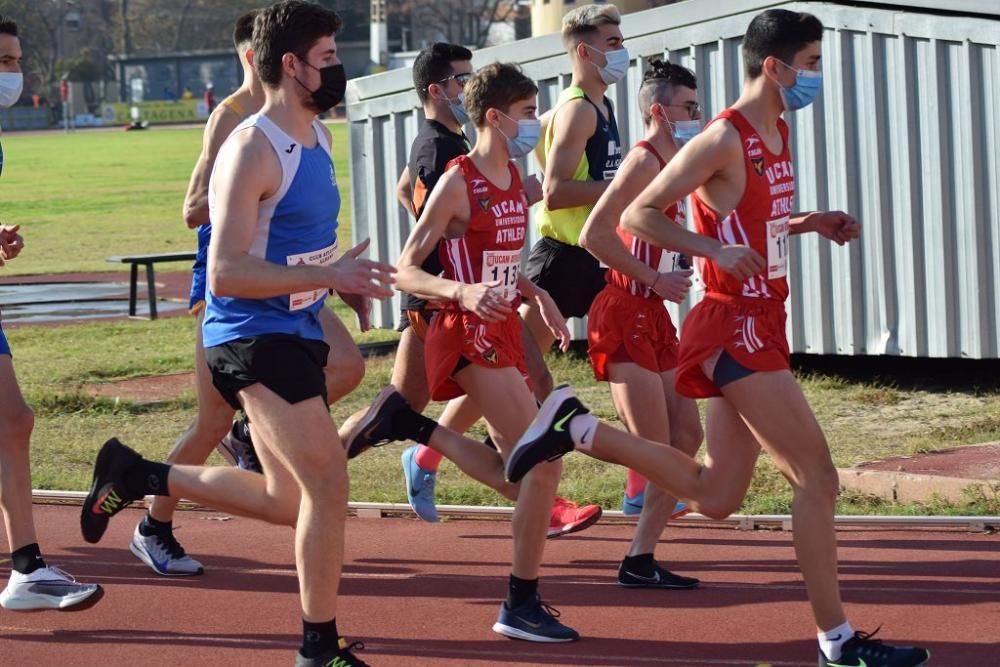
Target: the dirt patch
pixel 971 462
pixel 148 389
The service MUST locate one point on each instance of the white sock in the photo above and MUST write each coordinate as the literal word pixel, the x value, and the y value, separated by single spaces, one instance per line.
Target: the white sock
pixel 831 641
pixel 582 429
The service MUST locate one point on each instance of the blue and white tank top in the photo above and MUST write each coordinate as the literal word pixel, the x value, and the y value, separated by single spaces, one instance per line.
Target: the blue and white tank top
pixel 297 225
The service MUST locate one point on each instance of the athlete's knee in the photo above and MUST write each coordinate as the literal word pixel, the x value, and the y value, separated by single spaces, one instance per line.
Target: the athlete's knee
pixel 820 483
pixel 346 370
pixel 689 437
pixel 16 425
pixel 321 465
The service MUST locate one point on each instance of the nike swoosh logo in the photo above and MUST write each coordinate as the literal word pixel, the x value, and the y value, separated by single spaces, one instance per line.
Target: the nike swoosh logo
pixel 651 580
pixel 529 623
pixel 560 424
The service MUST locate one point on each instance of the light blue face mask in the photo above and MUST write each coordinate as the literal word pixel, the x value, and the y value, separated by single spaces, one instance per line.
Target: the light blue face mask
pixel 684 131
pixel 458 109
pixel 807 86
pixel 528 132
pixel 615 66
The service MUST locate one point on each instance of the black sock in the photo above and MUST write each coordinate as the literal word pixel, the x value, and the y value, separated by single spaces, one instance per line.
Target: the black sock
pixel 27 559
pixel 520 591
pixel 319 638
pixel 644 564
pixel 408 424
pixel 147 478
pixel 151 526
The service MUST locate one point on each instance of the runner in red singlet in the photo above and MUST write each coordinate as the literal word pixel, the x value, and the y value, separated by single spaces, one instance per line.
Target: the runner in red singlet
pixel 633 343
pixel 733 347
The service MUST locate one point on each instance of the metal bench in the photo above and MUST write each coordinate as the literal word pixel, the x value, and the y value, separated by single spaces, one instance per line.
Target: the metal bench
pixel 148 261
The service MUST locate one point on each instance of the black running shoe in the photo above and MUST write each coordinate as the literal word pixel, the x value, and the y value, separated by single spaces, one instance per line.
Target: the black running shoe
pixel 341 657
pixel 547 438
pixel 862 650
pixel 660 577
pixel 108 495
pixel 375 428
pixel 533 621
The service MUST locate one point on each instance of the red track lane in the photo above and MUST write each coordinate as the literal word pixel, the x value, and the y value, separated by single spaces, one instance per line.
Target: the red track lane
pixel 418 594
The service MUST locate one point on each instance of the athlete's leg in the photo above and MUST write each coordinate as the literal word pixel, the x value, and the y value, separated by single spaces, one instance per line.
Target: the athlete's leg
pixel 16 423
pixel 345 366
pixel 303 438
pixel 641 404
pixel 534 360
pixel 776 411
pixel 409 374
pixel 210 425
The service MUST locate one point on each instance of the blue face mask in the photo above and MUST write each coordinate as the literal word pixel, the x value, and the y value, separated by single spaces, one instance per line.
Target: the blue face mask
pixel 528 132
pixel 684 131
pixel 458 109
pixel 615 65
pixel 804 91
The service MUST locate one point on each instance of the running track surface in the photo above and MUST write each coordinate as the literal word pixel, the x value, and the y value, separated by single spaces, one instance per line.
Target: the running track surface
pixel 420 594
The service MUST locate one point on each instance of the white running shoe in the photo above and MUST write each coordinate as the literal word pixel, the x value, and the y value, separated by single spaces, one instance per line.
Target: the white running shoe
pixel 164 554
pixel 48 588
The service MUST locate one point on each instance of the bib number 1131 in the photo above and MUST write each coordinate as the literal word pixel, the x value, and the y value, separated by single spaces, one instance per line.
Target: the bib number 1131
pixel 777 248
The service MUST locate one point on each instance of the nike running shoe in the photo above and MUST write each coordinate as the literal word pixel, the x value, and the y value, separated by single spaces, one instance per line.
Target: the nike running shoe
pixel 375 427
pixel 659 577
pixel 862 650
pixel 568 517
pixel 108 495
pixel 164 554
pixel 340 657
pixel 547 438
pixel 237 448
pixel 48 588
pixel 419 486
pixel 533 621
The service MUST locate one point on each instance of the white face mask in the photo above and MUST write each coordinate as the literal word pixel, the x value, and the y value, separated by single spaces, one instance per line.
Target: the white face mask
pixel 616 64
pixel 11 85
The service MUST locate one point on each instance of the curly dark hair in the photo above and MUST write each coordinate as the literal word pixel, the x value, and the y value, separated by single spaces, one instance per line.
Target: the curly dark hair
pixel 659 82
pixel 292 26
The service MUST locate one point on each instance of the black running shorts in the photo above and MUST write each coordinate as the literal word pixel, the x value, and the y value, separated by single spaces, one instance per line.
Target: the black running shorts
pixel 571 275
pixel 290 366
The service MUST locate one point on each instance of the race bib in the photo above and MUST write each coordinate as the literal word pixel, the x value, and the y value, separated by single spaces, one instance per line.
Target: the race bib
pixel 669 261
pixel 502 265
pixel 777 248
pixel 321 257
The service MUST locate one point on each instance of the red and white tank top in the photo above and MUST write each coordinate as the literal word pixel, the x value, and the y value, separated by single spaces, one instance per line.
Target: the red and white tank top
pixel 653 256
pixel 760 219
pixel 490 248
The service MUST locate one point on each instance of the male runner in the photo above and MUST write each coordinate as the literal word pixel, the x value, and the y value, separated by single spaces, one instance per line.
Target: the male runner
pixel 153 540
pixel 633 343
pixel 32 584
pixel 274 205
pixel 439 74
pixel 580 155
pixel 733 348
pixel 476 220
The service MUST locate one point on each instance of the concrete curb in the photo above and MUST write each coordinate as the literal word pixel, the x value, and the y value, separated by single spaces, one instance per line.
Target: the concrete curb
pixel 907 487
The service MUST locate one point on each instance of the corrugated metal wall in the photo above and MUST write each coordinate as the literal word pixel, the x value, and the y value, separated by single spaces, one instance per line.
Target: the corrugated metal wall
pixel 906 137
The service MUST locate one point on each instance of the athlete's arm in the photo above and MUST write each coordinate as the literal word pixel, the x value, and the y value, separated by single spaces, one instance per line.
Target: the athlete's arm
pixel 547 308
pixel 404 193
pixel 837 226
pixel 702 158
pixel 577 122
pixel 220 125
pixel 599 236
pixel 249 172
pixel 447 203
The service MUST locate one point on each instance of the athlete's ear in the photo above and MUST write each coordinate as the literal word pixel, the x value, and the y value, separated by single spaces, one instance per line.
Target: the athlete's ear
pixel 771 67
pixel 290 64
pixel 248 57
pixel 434 91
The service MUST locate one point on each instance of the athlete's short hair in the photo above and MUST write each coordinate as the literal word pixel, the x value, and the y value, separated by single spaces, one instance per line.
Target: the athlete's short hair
pixel 582 23
pixel 8 26
pixel 780 33
pixel 434 64
pixel 243 30
pixel 659 82
pixel 496 86
pixel 290 26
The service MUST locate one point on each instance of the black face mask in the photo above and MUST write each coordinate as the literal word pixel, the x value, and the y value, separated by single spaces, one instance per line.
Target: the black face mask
pixel 332 85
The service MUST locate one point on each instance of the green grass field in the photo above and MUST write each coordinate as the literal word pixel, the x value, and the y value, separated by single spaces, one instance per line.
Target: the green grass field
pixel 91 194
